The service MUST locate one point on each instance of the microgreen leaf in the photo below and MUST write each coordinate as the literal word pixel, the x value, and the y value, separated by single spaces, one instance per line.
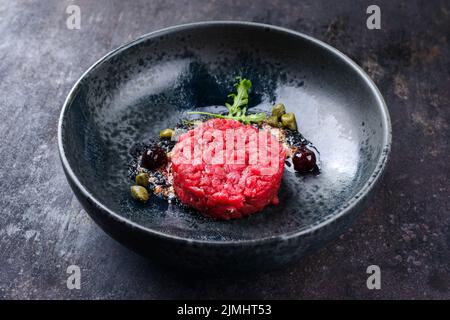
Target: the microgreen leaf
pixel 238 109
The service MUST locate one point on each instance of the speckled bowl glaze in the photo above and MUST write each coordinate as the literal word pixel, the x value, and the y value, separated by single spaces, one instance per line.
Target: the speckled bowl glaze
pixel 150 83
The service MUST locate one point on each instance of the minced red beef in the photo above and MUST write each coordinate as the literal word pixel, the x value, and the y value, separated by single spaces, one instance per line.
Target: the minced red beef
pixel 210 175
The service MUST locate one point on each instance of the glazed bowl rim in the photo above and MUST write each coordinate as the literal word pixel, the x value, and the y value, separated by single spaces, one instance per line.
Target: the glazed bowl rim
pixel 336 214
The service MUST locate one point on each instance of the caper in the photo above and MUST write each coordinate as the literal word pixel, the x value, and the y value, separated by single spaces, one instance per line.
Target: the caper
pixel 273 121
pixel 139 193
pixel 142 179
pixel 288 121
pixel 278 110
pixel 166 133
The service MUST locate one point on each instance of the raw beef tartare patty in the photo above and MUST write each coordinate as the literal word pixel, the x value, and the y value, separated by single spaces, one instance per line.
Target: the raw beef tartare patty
pixel 226 169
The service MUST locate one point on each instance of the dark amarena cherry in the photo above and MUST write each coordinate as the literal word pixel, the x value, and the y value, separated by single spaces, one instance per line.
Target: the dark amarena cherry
pixel 153 157
pixel 304 160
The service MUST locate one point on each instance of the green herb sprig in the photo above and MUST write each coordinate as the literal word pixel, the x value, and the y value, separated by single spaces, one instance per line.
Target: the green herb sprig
pixel 238 110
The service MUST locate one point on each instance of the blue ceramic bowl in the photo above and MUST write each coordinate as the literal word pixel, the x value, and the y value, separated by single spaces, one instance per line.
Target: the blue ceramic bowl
pixel 149 84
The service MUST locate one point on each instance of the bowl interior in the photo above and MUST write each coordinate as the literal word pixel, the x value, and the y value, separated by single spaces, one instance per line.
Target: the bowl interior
pixel 148 86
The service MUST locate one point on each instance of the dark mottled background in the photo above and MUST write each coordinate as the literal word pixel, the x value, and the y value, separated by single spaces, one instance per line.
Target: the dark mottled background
pixel 405 230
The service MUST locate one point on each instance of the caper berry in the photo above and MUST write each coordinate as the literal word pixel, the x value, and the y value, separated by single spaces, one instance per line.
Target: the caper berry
pixel 139 193
pixel 166 133
pixel 153 157
pixel 304 160
pixel 142 179
pixel 288 121
pixel 278 110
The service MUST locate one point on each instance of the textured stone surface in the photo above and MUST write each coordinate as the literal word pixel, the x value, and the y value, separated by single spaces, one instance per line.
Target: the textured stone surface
pixel 405 230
